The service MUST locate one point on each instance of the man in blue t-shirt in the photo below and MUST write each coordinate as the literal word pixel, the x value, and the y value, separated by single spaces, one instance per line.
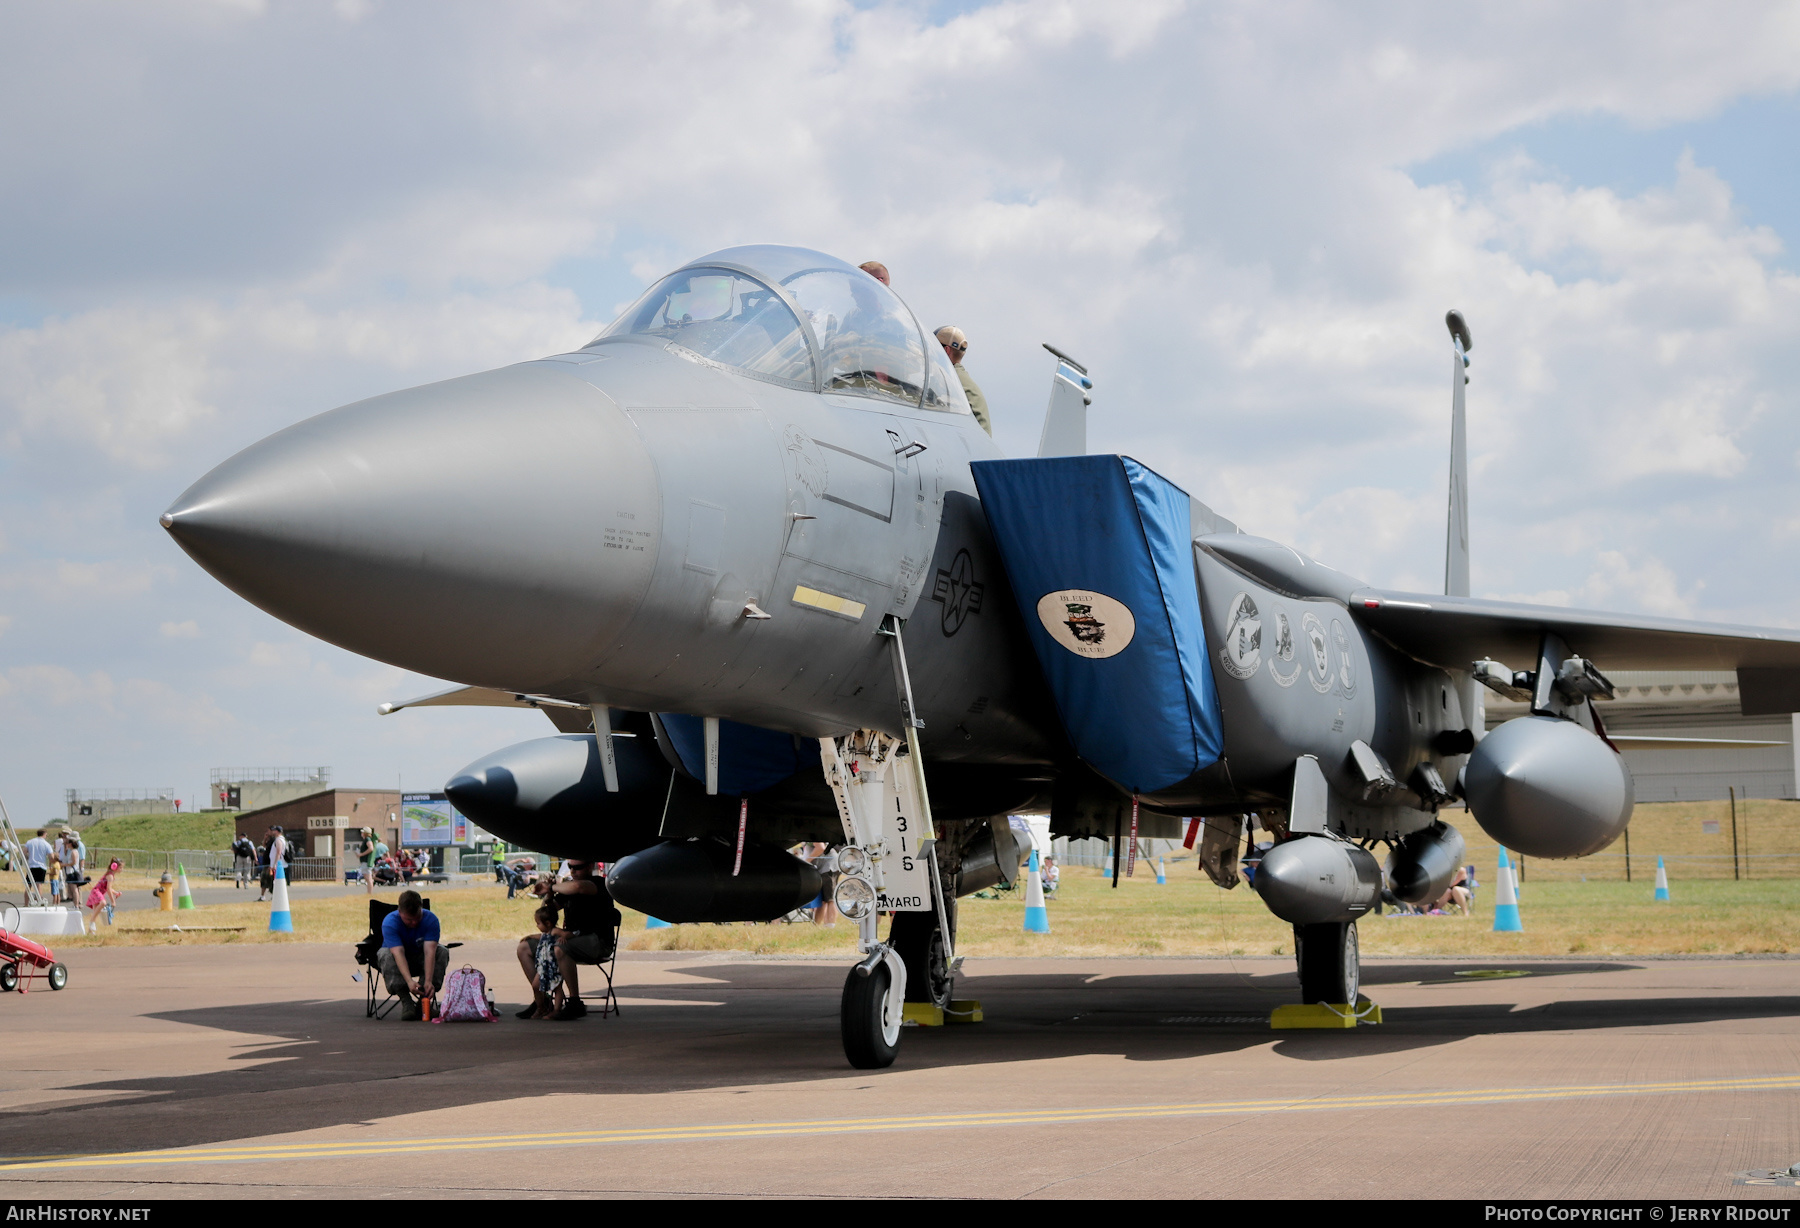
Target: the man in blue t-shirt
pixel 409 954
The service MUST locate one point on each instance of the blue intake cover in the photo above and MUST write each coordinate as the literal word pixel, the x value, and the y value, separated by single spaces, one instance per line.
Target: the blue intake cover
pixel 751 758
pixel 1101 561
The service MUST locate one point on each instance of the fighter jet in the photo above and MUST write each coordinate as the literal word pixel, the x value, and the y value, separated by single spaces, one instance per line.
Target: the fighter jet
pixel 752 555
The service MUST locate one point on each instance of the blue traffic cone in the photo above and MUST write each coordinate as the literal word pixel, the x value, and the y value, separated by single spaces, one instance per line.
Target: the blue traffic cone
pixel 1037 917
pixel 1162 876
pixel 1662 881
pixel 1506 899
pixel 281 918
pixel 1106 870
pixel 652 923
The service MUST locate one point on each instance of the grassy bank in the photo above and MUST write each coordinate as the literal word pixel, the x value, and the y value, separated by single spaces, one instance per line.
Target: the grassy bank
pixel 160 832
pixel 1188 916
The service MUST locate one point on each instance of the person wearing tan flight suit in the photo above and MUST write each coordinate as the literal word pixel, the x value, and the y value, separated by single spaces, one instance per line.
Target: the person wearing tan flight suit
pixel 956 345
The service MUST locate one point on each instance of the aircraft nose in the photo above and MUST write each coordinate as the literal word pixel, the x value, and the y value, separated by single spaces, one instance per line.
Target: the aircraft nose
pixel 496 529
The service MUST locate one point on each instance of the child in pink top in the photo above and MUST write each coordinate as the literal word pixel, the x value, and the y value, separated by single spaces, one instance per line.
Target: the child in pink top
pixel 104 895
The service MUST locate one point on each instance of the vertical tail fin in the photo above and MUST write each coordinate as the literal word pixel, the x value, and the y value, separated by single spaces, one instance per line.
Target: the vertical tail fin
pixel 1065 421
pixel 1456 544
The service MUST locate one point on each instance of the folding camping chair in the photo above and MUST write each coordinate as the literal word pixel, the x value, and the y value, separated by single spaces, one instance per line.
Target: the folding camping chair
pixel 378 1003
pixel 609 1001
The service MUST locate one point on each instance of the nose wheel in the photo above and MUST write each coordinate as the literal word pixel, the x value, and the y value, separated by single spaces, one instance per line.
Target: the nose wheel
pixel 870 1016
pixel 1329 964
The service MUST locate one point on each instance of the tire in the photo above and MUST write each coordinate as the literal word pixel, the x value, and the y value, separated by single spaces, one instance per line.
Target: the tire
pixel 919 943
pixel 1328 961
pixel 58 976
pixel 9 977
pixel 870 1016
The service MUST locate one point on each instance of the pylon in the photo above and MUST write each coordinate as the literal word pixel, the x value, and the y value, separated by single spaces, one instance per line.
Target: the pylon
pixel 1662 880
pixel 281 918
pixel 1106 870
pixel 1037 917
pixel 1162 875
pixel 1506 899
pixel 652 923
pixel 184 897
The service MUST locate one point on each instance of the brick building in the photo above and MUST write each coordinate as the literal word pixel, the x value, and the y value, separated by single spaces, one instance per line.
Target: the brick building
pixel 320 824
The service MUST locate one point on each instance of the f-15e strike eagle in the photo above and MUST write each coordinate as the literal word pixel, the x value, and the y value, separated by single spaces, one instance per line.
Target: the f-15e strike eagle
pixel 753 555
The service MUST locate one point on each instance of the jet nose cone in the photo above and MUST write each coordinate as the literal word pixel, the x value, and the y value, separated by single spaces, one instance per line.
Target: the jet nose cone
pixel 459 529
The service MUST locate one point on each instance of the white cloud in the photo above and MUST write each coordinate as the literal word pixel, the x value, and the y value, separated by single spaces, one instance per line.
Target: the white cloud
pixel 187 629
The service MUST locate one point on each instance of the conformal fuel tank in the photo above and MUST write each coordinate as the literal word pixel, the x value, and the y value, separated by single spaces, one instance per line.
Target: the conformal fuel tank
pixel 1546 787
pixel 1312 879
pixel 691 880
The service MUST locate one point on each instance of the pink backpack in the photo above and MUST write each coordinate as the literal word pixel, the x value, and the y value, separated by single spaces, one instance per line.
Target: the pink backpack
pixel 464 998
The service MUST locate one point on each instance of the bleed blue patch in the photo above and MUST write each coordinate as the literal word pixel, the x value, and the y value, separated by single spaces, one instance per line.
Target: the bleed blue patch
pixel 751 758
pixel 1100 557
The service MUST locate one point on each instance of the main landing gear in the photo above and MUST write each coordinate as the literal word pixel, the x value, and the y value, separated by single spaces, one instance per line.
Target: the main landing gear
pixel 1328 961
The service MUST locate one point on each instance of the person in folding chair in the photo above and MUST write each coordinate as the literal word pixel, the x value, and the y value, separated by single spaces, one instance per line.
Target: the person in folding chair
pixel 589 934
pixel 409 958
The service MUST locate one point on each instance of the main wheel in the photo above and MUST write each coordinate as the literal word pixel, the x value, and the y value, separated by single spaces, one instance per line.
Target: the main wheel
pixel 870 1016
pixel 58 976
pixel 917 939
pixel 1330 968
pixel 9 977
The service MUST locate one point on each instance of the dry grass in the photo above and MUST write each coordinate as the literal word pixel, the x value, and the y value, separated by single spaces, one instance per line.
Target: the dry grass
pixel 1188 916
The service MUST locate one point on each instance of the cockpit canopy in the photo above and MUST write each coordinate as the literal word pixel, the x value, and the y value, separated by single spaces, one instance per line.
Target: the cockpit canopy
pixel 799 318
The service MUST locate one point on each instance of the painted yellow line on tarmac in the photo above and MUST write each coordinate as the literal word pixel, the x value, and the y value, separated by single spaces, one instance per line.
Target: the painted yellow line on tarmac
pixel 329 1149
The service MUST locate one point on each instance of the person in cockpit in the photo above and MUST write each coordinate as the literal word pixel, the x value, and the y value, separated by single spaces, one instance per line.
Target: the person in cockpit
pixel 956 345
pixel 877 270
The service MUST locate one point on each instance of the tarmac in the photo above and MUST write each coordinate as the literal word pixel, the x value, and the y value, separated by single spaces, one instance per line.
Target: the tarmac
pixel 251 1071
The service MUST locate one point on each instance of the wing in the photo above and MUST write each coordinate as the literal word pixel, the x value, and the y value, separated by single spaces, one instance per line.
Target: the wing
pixel 567 716
pixel 1451 632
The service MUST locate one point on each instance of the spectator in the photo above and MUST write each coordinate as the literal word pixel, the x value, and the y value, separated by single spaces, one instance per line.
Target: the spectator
pixel 548 997
pixel 409 941
pixel 1051 876
pixel 585 936
pixel 366 856
pixel 406 865
pixel 824 908
pixel 278 856
pixel 956 345
pixel 877 270
pixel 103 896
pixel 243 860
pixel 70 851
pixel 38 856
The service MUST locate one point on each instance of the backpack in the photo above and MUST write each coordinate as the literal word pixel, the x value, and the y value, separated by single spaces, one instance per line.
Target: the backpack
pixel 464 998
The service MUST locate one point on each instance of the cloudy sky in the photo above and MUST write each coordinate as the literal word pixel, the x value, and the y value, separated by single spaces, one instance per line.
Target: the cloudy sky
pixel 1248 219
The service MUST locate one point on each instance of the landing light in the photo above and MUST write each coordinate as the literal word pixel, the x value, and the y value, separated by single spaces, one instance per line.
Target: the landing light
pixel 853 861
pixel 855 898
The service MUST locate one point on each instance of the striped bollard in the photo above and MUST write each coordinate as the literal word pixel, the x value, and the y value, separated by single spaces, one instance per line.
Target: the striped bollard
pixel 281 917
pixel 1037 917
pixel 1506 899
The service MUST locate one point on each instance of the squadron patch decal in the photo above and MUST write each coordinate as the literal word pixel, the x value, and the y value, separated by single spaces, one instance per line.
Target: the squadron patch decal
pixel 1346 675
pixel 805 461
pixel 1320 673
pixel 1282 651
pixel 1242 651
pixel 1087 623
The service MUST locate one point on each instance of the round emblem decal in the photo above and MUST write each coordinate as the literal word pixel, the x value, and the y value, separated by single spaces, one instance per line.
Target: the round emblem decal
pixel 1242 651
pixel 1320 658
pixel 1346 676
pixel 1282 650
pixel 1088 624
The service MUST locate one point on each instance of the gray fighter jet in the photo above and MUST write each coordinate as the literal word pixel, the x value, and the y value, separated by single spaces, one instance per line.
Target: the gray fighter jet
pixel 751 553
